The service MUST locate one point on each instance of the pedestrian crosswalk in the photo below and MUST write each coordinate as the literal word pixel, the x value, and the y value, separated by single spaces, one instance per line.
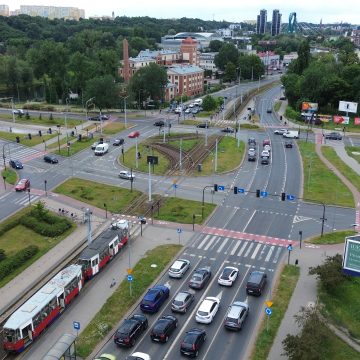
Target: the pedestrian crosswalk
pixel 236 248
pixel 21 199
pixel 20 152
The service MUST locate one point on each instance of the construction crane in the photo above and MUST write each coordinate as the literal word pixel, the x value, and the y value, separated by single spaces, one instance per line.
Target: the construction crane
pixel 292 27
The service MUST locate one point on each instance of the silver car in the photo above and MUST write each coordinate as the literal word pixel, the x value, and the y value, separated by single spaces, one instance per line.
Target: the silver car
pixel 179 268
pixel 126 175
pixel 182 301
pixel 236 315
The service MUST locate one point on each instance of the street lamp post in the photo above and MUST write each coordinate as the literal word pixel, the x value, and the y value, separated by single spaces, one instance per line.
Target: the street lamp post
pixel 58 134
pixel 105 206
pixel 66 110
pixel 29 196
pixel 86 110
pixel 45 183
pixel 4 178
pixel 300 234
pixel 125 119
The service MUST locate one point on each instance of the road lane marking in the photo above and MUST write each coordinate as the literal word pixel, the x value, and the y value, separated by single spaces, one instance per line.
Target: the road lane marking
pixel 256 251
pixel 203 242
pixel 249 249
pixel 251 217
pixel 210 242
pixel 233 251
pixel 269 253
pixel 222 245
pixel 242 249
pixel 276 257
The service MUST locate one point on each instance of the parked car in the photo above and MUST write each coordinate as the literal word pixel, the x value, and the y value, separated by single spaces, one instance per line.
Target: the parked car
pixel 236 315
pixel 182 301
pixel 159 123
pixel 98 117
pixel 179 268
pixel 333 136
pixel 200 278
pixel 194 110
pixel 280 131
pixel 191 105
pixel 106 357
pixel 154 298
pixel 127 175
pixel 134 134
pixel 228 130
pixel 256 283
pixel 16 164
pixel 52 159
pixel 282 97
pixel 203 125
pixel 163 328
pixel 130 330
pixel 188 111
pixel 138 356
pixel 193 341
pixel 288 144
pixel 94 145
pixel 118 142
pixel 228 276
pixel 207 310
pixel 22 185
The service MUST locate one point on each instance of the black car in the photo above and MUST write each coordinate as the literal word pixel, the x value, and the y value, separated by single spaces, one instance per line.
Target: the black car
pixel 52 159
pixel 288 144
pixel 256 283
pixel 16 164
pixel 333 136
pixel 118 142
pixel 163 328
pixel 193 341
pixel 182 301
pixel 159 123
pixel 265 160
pixel 228 130
pixel 98 117
pixel 200 277
pixel 269 110
pixel 203 126
pixel 251 142
pixel 251 157
pixel 130 330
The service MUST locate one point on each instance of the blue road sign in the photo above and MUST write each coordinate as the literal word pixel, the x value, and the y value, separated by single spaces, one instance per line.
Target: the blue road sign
pixel 179 231
pixel 221 187
pixel 268 311
pixel 290 197
pixel 241 191
pixel 175 186
pixel 263 193
pixel 130 278
pixel 290 247
pixel 76 325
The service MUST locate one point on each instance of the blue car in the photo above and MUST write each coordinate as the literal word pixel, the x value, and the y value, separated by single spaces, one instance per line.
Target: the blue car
pixel 154 298
pixel 16 164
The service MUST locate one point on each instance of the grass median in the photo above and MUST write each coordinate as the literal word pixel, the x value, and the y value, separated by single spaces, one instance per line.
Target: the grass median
pixel 281 298
pixel 120 302
pixel 354 152
pixel 24 139
pixel 320 183
pixel 337 237
pixel 9 175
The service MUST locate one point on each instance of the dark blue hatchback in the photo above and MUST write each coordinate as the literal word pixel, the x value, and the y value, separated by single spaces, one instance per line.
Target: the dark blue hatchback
pixel 154 298
pixel 16 164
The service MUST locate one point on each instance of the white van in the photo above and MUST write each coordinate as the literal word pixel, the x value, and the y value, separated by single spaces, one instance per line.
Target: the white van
pixel 291 134
pixel 102 149
pixel 198 102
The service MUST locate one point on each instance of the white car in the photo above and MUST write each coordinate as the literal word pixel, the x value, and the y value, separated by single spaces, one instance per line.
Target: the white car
pixel 251 152
pixel 191 105
pixel 126 175
pixel 18 112
pixel 138 356
pixel 267 148
pixel 228 276
pixel 280 131
pixel 179 268
pixel 265 153
pixel 207 310
pixel 188 111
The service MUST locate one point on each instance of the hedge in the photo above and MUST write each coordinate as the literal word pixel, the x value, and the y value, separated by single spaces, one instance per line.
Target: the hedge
pixel 50 226
pixel 2 254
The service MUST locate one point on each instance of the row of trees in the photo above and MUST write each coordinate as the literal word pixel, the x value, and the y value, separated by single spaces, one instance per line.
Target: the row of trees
pixel 324 79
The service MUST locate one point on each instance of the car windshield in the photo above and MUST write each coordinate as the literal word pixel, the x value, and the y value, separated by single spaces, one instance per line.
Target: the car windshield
pixel 196 278
pixel 203 313
pixel 226 273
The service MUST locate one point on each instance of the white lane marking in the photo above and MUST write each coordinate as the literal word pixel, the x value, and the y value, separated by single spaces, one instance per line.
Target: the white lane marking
pixel 276 258
pixel 203 242
pixel 210 242
pixel 233 251
pixel 256 251
pixel 242 249
pixel 249 249
pixel 269 254
pixel 251 217
pixel 222 245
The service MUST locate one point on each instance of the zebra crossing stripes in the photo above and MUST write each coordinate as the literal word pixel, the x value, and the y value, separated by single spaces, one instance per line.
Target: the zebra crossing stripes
pixel 24 154
pixel 233 251
pixel 253 256
pixel 268 256
pixel 24 200
pixel 223 243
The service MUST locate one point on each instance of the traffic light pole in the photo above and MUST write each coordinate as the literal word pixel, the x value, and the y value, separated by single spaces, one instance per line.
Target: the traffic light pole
pixel 203 199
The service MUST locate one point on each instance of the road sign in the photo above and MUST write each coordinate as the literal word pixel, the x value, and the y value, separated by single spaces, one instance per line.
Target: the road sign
pixel 263 193
pixel 269 303
pixel 175 186
pixel 129 271
pixel 221 188
pixel 268 311
pixel 290 197
pixel 290 247
pixel 241 191
pixel 179 231
pixel 76 325
pixel 174 181
pixel 130 278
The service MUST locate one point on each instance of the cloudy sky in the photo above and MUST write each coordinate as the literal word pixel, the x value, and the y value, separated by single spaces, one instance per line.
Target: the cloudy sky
pixel 234 11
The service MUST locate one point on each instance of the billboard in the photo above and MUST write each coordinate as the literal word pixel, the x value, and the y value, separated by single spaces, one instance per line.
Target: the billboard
pixel 356 121
pixel 348 106
pixel 343 120
pixel 351 260
pixel 325 118
pixel 309 106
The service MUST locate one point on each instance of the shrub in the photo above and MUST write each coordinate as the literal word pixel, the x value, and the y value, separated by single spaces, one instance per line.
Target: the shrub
pixel 2 254
pixel 8 226
pixel 51 226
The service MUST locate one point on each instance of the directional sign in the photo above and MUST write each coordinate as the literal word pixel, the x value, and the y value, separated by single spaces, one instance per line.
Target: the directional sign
pixel 179 231
pixel 129 271
pixel 130 278
pixel 76 325
pixel 175 186
pixel 290 247
pixel 263 193
pixel 268 311
pixel 290 197
pixel 269 303
pixel 221 188
pixel 241 191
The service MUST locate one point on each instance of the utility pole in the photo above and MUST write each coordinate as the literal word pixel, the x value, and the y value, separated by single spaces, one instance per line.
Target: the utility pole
pixel 136 153
pixel 87 219
pixel 180 158
pixel 216 154
pixel 149 181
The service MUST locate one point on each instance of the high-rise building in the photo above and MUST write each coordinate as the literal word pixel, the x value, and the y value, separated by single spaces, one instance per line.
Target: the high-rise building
pixel 261 22
pixel 53 12
pixel 4 10
pixel 276 23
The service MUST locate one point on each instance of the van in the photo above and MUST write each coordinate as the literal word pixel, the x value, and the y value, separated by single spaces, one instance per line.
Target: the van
pixel 291 134
pixel 256 283
pixel 198 102
pixel 101 149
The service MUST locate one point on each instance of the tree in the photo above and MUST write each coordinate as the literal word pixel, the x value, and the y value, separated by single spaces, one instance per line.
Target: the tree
pixel 303 60
pixel 330 273
pixel 230 72
pixel 209 103
pixel 250 66
pixel 215 45
pixel 227 53
pixel 291 82
pixel 104 90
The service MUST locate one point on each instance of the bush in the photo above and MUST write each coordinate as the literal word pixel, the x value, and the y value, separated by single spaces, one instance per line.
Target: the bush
pixel 2 254
pixel 292 114
pixel 8 265
pixel 50 226
pixel 8 226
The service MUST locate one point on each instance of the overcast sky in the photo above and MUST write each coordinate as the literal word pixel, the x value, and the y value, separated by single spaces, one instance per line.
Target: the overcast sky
pixel 231 10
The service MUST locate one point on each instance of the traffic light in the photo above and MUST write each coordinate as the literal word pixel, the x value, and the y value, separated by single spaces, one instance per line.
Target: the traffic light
pixel 29 136
pixel 215 187
pixel 17 139
pixel 257 193
pixel 50 131
pixel 79 137
pixel 283 196
pixel 280 117
pixel 235 190
pixel 40 134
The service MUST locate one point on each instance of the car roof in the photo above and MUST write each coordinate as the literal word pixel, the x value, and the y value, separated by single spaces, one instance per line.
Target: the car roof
pixel 178 263
pixel 207 303
pixel 181 296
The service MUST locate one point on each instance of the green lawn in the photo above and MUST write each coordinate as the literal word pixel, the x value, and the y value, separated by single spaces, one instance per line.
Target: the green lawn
pixel 45 120
pixel 281 299
pixel 337 237
pixel 10 175
pixel 277 106
pixel 320 183
pixel 98 194
pixel 120 302
pixel 229 157
pixel 24 140
pixel 187 144
pixel 75 146
pixel 354 152
pixel 114 128
pixel 345 170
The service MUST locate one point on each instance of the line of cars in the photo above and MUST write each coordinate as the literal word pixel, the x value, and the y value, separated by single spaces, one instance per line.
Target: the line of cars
pixel 132 328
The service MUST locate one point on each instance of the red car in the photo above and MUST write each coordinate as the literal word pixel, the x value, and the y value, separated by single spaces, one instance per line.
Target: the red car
pixel 134 134
pixel 22 185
